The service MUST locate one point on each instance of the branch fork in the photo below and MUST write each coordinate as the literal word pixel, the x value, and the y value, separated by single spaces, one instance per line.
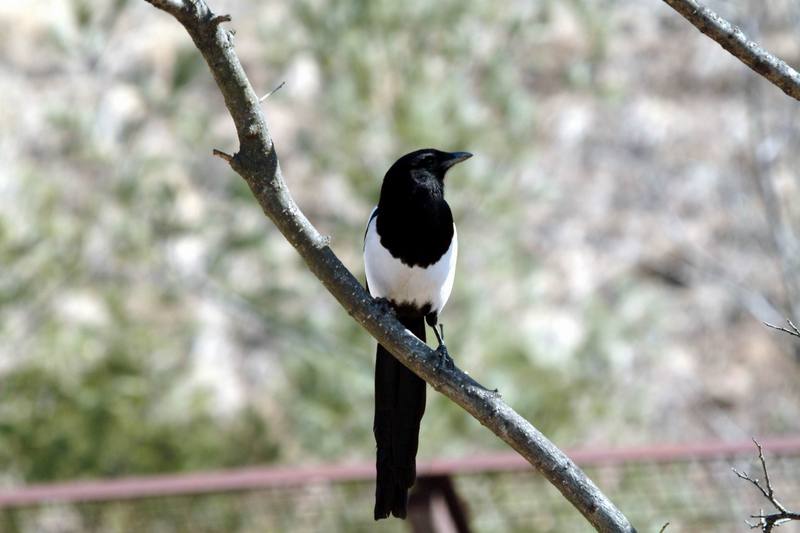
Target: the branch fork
pixel 793 332
pixel 766 521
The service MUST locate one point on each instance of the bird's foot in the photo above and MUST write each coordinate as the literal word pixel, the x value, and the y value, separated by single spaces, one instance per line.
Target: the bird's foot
pixel 445 361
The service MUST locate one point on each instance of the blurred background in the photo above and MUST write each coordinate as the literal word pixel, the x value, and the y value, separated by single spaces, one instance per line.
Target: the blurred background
pixel 628 221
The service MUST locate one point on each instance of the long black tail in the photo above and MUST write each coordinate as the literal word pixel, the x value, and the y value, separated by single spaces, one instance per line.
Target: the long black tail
pixel 399 405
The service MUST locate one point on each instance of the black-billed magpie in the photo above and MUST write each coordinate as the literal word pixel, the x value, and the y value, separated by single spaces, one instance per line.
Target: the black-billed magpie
pixel 410 249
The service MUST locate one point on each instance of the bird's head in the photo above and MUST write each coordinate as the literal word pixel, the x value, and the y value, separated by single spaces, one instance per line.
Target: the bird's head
pixel 427 163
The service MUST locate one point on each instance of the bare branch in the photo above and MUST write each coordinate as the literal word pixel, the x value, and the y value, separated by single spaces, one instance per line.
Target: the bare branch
pixel 766 521
pixel 257 162
pixel 737 43
pixel 663 528
pixel 794 331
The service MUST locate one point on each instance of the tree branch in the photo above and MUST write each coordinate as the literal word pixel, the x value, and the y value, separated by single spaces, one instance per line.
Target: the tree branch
pixel 793 332
pixel 736 42
pixel 257 162
pixel 767 521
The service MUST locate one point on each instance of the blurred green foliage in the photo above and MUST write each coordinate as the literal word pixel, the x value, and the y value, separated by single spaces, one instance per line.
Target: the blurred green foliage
pixel 115 416
pixel 126 246
pixel 106 213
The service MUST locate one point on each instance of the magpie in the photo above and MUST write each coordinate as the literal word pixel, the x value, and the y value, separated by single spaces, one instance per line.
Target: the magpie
pixel 410 249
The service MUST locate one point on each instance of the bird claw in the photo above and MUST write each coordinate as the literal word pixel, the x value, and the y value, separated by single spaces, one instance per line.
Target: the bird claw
pixel 445 361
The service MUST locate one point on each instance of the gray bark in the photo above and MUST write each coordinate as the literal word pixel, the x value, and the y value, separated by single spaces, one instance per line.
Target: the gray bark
pixel 737 43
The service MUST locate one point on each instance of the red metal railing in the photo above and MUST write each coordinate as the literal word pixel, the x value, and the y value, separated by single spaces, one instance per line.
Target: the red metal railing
pixel 253 478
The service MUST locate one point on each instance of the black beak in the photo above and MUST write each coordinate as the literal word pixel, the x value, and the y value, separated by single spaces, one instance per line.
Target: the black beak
pixel 454 158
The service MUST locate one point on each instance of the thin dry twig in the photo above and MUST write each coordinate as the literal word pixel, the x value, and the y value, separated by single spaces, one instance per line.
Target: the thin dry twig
pixel 273 91
pixel 737 43
pixel 257 162
pixel 766 521
pixel 663 528
pixel 219 19
pixel 222 155
pixel 794 331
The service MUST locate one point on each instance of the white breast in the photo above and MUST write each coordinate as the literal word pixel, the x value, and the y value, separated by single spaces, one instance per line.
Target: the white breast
pixel 390 278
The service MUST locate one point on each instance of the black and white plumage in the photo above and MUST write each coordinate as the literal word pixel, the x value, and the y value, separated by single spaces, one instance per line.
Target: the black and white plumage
pixel 410 249
pixel 417 283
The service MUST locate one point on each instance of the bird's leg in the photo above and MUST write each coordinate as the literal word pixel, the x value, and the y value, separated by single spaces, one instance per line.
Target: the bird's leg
pixel 444 357
pixel 439 333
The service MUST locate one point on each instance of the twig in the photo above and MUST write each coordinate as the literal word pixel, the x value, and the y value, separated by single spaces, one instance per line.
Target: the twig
pixel 663 528
pixel 222 155
pixel 794 331
pixel 766 521
pixel 219 19
pixel 737 43
pixel 257 162
pixel 170 6
pixel 273 91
